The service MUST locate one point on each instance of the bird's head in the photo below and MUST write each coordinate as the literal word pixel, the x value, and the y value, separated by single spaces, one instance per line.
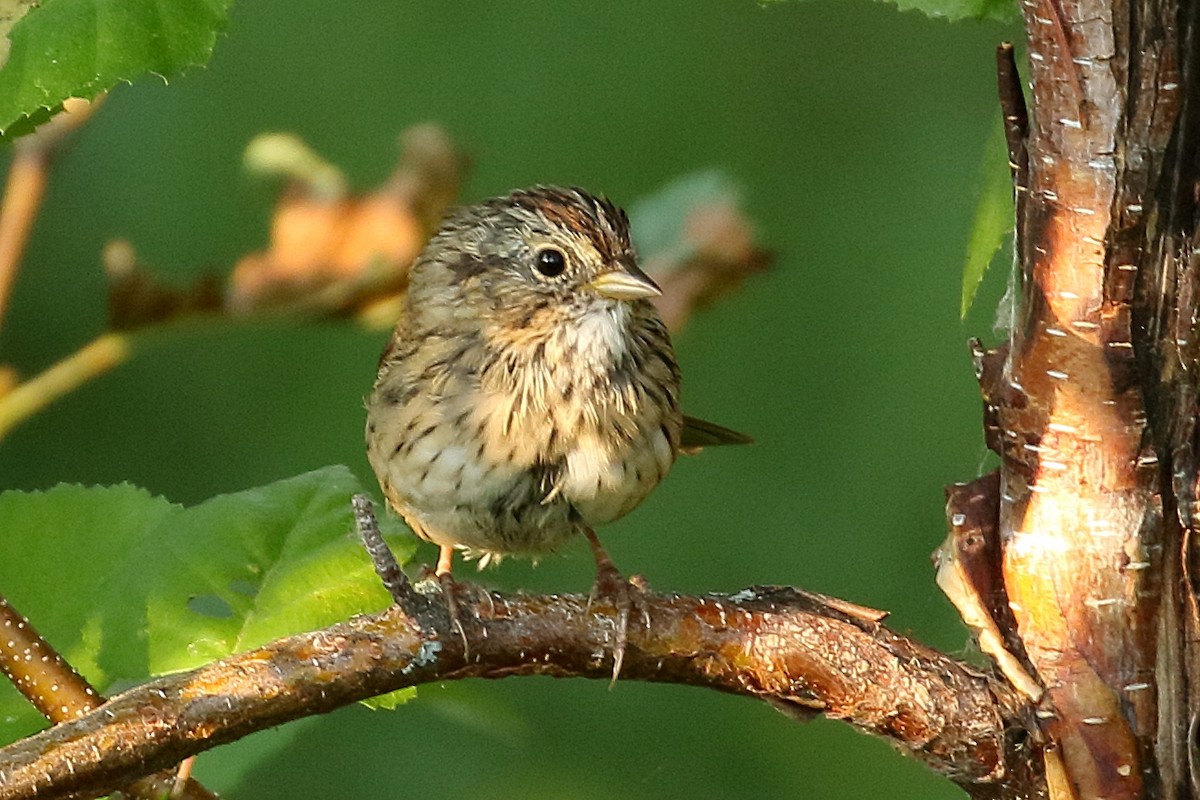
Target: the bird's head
pixel 543 249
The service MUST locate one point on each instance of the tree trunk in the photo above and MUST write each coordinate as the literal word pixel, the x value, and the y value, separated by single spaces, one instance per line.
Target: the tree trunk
pixel 1092 402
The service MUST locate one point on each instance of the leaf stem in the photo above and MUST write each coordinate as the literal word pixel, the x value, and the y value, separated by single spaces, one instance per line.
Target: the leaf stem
pixel 26 186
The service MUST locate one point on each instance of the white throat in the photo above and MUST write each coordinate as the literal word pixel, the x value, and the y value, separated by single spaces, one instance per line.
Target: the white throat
pixel 600 334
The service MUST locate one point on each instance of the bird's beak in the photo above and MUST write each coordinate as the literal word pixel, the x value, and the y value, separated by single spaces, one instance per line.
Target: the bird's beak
pixel 627 282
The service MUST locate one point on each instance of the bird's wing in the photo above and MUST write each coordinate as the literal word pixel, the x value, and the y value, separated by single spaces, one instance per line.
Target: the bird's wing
pixel 698 434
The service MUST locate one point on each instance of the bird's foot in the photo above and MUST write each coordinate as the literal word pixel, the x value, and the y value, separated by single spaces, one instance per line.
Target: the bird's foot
pixel 450 590
pixel 629 599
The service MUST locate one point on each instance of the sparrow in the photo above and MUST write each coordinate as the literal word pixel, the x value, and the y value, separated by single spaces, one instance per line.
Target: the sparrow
pixel 529 392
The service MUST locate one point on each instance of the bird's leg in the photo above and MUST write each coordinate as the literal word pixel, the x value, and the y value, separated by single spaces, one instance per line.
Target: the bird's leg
pixel 445 563
pixel 626 595
pixel 183 775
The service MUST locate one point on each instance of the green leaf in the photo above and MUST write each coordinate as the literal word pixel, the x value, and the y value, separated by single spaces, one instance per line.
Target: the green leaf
pixel 128 585
pixel 993 217
pixel 79 48
pixel 955 10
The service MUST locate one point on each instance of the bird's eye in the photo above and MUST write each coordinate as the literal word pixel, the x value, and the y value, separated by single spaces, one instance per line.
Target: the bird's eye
pixel 550 262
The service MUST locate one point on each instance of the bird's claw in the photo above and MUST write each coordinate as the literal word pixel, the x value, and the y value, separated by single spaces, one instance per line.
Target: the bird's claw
pixel 450 589
pixel 627 596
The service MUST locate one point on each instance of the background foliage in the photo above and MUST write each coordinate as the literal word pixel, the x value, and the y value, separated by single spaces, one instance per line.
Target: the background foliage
pixel 857 132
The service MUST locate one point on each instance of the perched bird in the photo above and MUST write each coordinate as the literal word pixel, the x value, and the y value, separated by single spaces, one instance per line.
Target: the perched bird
pixel 530 390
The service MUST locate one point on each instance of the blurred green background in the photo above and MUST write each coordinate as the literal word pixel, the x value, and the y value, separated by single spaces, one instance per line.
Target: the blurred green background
pixel 857 132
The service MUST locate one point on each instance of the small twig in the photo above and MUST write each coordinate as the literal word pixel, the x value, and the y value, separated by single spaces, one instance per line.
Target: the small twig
pixel 42 676
pixel 60 693
pixel 96 358
pixel 386 566
pixel 1016 125
pixel 27 176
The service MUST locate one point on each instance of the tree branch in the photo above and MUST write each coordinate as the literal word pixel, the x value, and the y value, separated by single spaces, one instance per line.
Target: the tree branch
pixel 791 648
